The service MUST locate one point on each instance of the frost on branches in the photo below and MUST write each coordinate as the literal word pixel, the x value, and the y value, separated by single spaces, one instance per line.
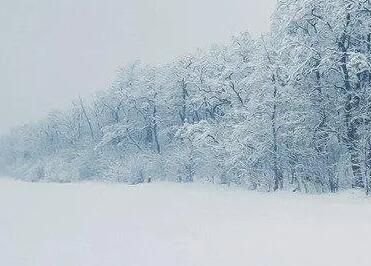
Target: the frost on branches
pixel 288 110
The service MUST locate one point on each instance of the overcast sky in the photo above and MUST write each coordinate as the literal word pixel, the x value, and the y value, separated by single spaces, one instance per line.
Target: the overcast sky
pixel 52 50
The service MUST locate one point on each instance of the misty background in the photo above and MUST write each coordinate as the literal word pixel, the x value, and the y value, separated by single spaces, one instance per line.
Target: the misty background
pixel 52 51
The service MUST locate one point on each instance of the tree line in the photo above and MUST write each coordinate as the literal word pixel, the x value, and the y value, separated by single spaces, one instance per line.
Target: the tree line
pixel 289 110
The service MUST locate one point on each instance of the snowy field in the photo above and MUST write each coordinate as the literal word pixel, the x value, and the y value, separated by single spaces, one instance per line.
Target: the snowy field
pixel 166 224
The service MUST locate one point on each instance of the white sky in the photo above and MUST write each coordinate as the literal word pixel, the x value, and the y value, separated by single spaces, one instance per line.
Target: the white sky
pixel 52 50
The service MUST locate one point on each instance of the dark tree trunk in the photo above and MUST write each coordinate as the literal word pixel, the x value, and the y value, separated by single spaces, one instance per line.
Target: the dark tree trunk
pixel 278 177
pixel 87 119
pixel 155 130
pixel 350 104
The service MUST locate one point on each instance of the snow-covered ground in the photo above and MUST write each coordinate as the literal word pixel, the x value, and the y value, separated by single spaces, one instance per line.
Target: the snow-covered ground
pixel 174 225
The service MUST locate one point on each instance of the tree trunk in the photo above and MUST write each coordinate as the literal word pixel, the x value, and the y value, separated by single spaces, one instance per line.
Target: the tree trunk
pixel 351 126
pixel 278 177
pixel 155 131
pixel 87 118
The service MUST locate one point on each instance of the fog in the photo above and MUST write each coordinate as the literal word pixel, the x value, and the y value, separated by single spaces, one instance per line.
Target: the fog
pixel 52 51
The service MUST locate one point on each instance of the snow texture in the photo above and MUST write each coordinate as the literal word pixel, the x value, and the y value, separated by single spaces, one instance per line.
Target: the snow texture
pixel 167 224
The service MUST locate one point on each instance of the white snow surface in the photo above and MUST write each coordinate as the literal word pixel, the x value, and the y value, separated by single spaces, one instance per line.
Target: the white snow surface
pixel 165 224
